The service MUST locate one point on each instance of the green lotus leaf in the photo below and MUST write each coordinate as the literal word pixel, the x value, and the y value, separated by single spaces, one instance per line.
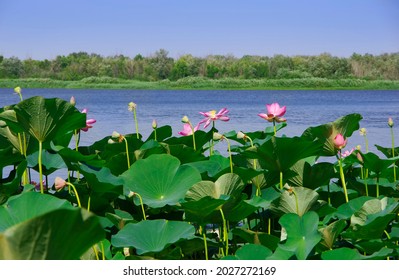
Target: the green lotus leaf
pixel 331 232
pixel 302 233
pixel 160 180
pixel 49 119
pixel 28 205
pixel 346 210
pixel 255 237
pixel 373 163
pixel 48 236
pixel 72 156
pixel 51 161
pixel 184 153
pixel 163 132
pixel 9 157
pixel 152 235
pixel 251 252
pixel 202 211
pixel 326 133
pixel 287 203
pixel 213 166
pixel 353 254
pixel 371 220
pixel 11 185
pixel 226 185
pixel 101 181
pixel 280 153
pixel 201 138
pixel 311 176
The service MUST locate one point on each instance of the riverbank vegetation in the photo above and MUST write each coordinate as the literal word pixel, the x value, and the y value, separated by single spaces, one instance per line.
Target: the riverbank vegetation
pixel 159 71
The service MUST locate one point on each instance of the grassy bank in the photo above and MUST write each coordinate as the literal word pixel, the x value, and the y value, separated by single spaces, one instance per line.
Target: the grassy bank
pixel 203 83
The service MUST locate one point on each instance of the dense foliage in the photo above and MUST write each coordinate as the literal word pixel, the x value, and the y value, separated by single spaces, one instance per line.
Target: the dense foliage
pixel 268 196
pixel 159 66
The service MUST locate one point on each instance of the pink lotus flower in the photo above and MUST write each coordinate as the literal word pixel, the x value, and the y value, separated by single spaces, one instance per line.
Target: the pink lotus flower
pixel 347 153
pixel 339 141
pixel 213 116
pixel 274 113
pixel 89 122
pixel 187 130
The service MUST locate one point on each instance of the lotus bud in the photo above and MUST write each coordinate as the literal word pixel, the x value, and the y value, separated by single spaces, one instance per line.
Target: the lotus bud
pixel 115 135
pixel 363 131
pixel 17 90
pixel 72 101
pixel 132 106
pixel 217 136
pixel 241 135
pixel 154 124
pixel 131 194
pixel 390 122
pixel 59 183
pixel 358 148
pixel 110 141
pixel 185 119
pixel 340 141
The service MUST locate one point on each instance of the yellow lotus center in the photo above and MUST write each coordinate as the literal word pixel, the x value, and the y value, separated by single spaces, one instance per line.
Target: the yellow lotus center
pixel 212 113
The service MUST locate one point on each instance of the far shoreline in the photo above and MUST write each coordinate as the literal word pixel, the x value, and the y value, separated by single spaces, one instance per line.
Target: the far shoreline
pixel 200 83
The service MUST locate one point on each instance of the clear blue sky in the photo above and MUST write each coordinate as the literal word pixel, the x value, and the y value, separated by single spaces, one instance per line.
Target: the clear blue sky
pixel 41 29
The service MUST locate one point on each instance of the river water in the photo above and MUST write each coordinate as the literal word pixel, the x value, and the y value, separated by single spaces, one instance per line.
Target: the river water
pixel 304 108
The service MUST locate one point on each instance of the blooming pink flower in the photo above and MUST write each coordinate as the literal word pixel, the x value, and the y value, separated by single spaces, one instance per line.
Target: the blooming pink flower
pixel 89 122
pixel 213 116
pixel 187 130
pixel 347 153
pixel 274 113
pixel 339 141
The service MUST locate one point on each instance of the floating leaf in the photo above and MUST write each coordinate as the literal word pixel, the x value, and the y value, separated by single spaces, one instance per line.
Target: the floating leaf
pixel 251 252
pixel 152 235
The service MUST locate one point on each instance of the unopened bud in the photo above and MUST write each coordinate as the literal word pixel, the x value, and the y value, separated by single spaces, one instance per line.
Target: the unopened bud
pixel 363 131
pixel 115 135
pixel 154 124
pixel 185 119
pixel 390 122
pixel 59 183
pixel 72 101
pixel 132 106
pixel 217 136
pixel 17 90
pixel 240 135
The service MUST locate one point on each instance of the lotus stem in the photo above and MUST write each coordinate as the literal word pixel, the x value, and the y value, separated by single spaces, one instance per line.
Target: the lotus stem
pixel 77 140
pixel 269 225
pixel 205 241
pixel 40 167
pixel 127 152
pixel 136 123
pixel 155 134
pixel 102 250
pixel 393 154
pixel 225 234
pixel 281 180
pixel 23 153
pixel 274 127
pixel 142 205
pixel 88 203
pixel 192 129
pixel 212 142
pixel 95 252
pixel 230 157
pixel 341 173
pixel 76 193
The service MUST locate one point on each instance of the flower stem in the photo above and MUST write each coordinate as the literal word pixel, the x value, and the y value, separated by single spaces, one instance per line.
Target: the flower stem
pixel 192 129
pixel 40 167
pixel 225 234
pixel 274 127
pixel 142 205
pixel 378 186
pixel 229 149
pixel 136 123
pixel 341 173
pixel 155 134
pixel 281 180
pixel 127 153
pixel 76 193
pixel 205 242
pixel 212 142
pixel 393 154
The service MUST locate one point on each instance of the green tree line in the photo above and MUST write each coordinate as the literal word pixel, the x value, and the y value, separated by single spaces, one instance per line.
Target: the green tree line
pixel 160 66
